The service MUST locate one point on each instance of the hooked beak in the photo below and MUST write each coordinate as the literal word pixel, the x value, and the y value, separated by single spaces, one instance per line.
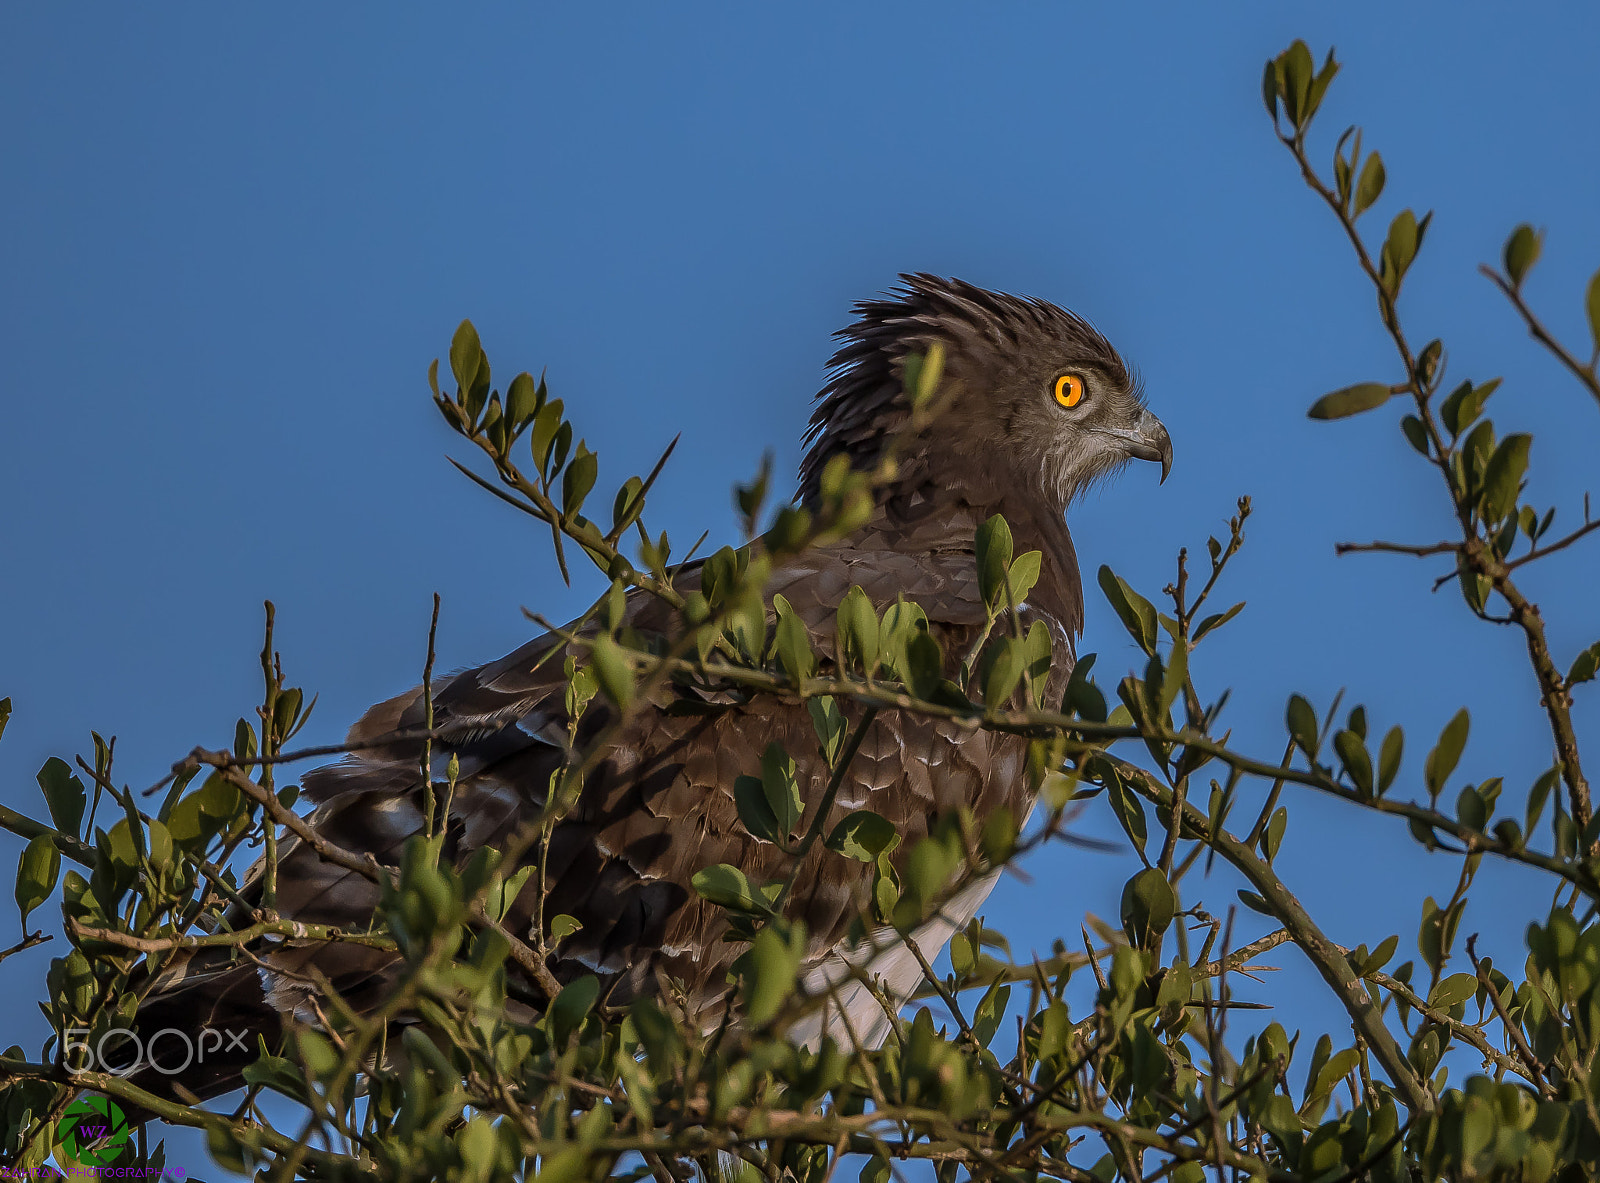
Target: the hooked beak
pixel 1148 441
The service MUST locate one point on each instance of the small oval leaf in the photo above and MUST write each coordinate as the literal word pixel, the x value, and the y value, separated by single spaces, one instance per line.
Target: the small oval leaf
pixel 1352 400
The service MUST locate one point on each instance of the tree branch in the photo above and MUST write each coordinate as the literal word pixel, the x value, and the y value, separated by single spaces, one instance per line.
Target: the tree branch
pixel 1585 374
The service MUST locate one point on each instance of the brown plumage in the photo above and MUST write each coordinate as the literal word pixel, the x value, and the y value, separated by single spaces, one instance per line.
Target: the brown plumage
pixel 661 807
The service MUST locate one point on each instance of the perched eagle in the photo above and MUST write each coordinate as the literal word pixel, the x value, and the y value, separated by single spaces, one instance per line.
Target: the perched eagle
pixel 1037 406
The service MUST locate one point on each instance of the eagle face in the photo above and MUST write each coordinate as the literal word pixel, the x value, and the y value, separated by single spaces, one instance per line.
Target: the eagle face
pixel 1035 405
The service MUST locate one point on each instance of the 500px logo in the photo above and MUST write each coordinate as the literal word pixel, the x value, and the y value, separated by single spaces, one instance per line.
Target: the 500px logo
pixel 122 1052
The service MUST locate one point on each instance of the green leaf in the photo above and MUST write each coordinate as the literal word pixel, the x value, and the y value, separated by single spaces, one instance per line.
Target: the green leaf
pixel 1463 405
pixel 1272 836
pixel 769 971
pixel 500 893
pixel 1148 906
pixel 1584 666
pixel 1296 68
pixel 628 504
pixel 924 665
pixel 1474 587
pixel 571 1006
pixel 244 740
pixel 546 424
pixel 1370 186
pixel 1173 679
pixel 750 498
pixel 1319 85
pixel 901 621
pixel 780 786
pixel 1591 304
pixel 1476 450
pixel 578 480
pixel 1415 433
pixel 524 397
pixel 863 835
pixel 615 606
pixel 1341 169
pixel 466 356
pixel 197 817
pixel 1380 956
pixel 1470 809
pixel 1036 651
pixel 1389 758
pixel 1437 931
pixel 750 798
pixel 1339 1065
pixel 63 793
pixel 317 1052
pixel 286 713
pixel 1302 723
pixel 1271 87
pixel 792 642
pixel 558 450
pixel 1456 988
pixel 1400 247
pixel 1006 661
pixel 1021 578
pixel 1502 480
pixel 922 373
pixel 1217 620
pixel 1129 810
pixel 37 871
pixel 1082 695
pixel 1352 400
pixel 1255 903
pixel 729 887
pixel 1427 362
pixel 998 839
pixel 1218 807
pixel 856 625
pixel 278 1073
pixel 1522 252
pixel 612 671
pixel 1539 793
pixel 1137 614
pixel 1355 759
pixel 1442 760
pixel 160 839
pixel 993 545
pixel 827 720
pixel 563 926
pixel 719 574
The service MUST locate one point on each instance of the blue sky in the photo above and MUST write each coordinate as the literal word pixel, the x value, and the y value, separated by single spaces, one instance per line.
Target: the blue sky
pixel 235 240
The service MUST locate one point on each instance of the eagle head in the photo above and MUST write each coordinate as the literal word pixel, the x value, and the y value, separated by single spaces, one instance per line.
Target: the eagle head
pixel 1033 400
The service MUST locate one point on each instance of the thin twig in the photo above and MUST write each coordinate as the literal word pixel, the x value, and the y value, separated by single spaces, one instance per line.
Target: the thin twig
pixel 1513 1029
pixel 1397 548
pixel 1585 374
pixel 292 929
pixel 426 762
pixel 1561 544
pixel 28 941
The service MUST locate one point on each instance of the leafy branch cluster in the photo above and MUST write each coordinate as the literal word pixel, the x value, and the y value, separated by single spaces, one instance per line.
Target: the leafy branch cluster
pixel 479 1064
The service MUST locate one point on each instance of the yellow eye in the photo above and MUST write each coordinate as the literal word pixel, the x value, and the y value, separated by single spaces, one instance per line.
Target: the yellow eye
pixel 1069 390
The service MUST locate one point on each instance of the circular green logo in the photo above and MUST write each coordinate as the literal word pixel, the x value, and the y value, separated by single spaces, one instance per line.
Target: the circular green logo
pixel 92 1133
